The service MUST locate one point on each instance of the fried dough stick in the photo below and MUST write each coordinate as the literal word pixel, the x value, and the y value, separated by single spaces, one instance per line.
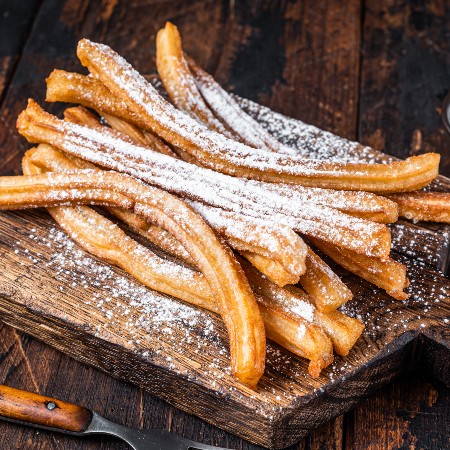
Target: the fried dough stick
pixel 343 330
pixel 247 129
pixel 389 275
pixel 219 153
pixel 109 149
pixel 196 93
pixel 184 94
pixel 326 289
pixel 82 116
pixel 427 206
pixel 233 294
pixel 75 88
pixel 104 239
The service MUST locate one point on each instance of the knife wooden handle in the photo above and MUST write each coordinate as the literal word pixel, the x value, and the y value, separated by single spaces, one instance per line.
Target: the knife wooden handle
pixel 38 410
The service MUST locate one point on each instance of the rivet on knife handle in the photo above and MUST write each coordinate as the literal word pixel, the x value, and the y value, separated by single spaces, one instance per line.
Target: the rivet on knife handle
pixel 45 411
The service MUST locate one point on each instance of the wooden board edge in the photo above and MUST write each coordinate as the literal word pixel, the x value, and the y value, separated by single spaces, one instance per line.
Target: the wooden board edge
pixel 435 353
pixel 79 342
pixel 394 360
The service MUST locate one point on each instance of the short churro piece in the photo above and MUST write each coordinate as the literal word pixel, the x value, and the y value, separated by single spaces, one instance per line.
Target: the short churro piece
pixel 427 206
pixel 324 287
pixel 273 270
pixel 389 275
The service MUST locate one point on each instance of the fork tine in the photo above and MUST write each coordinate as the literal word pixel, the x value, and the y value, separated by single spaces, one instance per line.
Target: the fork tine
pixel 192 445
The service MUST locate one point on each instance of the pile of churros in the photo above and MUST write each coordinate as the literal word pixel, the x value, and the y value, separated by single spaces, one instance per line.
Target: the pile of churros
pixel 241 214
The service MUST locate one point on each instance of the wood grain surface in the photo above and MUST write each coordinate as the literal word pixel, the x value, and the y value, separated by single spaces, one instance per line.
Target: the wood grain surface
pixel 338 65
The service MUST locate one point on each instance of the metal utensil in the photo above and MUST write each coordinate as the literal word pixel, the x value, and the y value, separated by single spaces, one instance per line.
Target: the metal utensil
pixel 52 414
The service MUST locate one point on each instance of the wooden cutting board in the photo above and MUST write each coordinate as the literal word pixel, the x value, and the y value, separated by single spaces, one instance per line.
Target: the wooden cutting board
pixel 96 313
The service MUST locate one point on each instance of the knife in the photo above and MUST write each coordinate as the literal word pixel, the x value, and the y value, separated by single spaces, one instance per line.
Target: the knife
pixel 27 408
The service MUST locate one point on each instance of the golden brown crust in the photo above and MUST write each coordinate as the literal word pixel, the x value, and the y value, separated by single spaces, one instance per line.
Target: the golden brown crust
pixel 426 206
pixel 389 274
pixel 325 288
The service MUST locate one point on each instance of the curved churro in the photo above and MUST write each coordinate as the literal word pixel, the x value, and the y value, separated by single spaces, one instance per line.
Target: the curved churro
pixel 220 153
pixel 233 294
pixel 427 206
pixel 110 150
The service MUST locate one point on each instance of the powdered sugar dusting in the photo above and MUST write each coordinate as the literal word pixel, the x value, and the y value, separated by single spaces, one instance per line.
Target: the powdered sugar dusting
pixel 310 141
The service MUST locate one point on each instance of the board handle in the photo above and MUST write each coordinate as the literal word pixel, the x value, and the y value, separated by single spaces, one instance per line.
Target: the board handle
pixel 38 410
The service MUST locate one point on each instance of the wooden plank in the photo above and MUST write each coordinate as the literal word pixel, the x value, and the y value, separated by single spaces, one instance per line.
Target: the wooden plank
pixel 405 77
pixel 16 20
pixel 399 417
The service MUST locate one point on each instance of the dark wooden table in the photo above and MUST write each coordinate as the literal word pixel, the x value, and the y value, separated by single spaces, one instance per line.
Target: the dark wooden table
pixel 375 71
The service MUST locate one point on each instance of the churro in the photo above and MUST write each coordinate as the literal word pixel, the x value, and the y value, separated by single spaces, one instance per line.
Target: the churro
pixel 244 127
pixel 324 287
pixel 183 91
pixel 273 270
pixel 389 274
pixel 426 206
